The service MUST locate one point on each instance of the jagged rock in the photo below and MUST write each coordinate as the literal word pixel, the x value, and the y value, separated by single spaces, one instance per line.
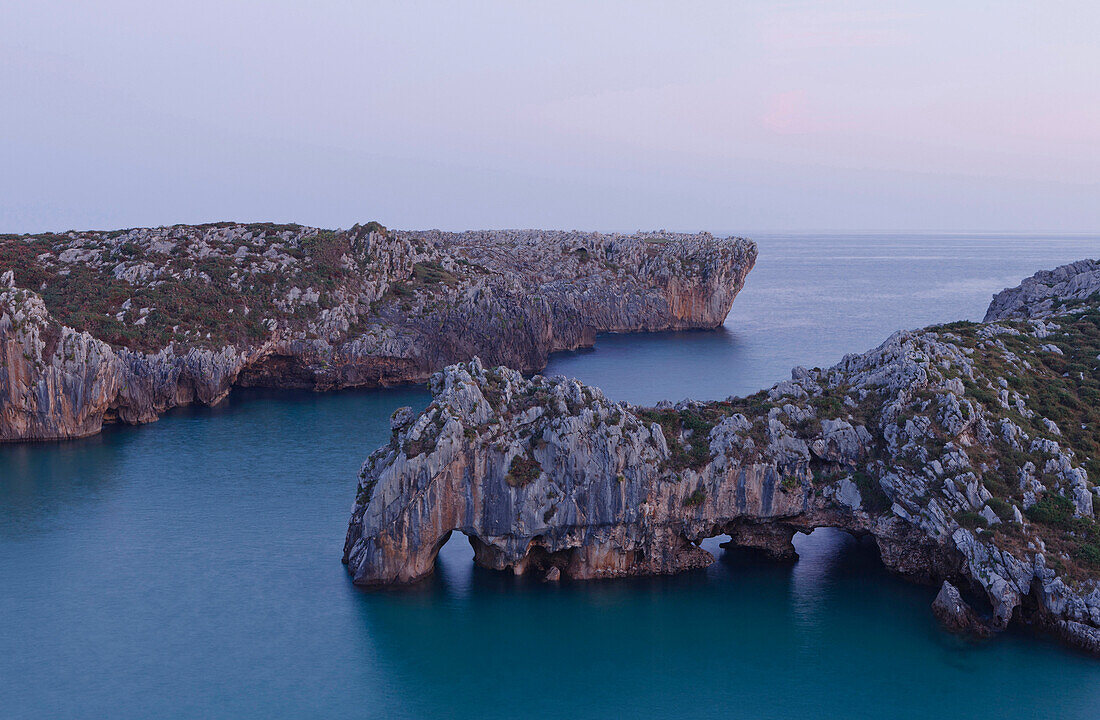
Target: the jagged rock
pixel 545 472
pixel 989 515
pixel 955 614
pixel 298 307
pixel 847 494
pixel 401 418
pixel 54 381
pixel 1036 296
pixel 1083 636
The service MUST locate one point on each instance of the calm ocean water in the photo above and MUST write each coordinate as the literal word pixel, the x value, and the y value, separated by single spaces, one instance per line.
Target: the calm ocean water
pixel 191 568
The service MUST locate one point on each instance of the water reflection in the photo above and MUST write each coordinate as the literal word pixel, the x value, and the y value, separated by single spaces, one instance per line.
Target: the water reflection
pixel 833 620
pixel 812 299
pixel 828 558
pixel 40 484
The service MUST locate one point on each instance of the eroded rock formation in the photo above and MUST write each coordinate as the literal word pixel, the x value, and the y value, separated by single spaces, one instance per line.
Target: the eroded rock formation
pixel 1047 291
pixel 120 326
pixel 964 450
pixel 956 614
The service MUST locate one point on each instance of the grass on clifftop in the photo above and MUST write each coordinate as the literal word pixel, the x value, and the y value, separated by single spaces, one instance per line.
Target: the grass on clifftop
pixel 209 300
pixel 1064 388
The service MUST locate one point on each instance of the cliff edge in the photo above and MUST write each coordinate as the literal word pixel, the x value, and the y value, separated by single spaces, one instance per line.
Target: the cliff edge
pixel 120 326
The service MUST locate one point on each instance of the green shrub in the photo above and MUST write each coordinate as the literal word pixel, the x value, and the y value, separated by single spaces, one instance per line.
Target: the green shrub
pixel 1001 508
pixel 1052 509
pixel 970 519
pixel 694 453
pixel 431 273
pixel 401 290
pixel 523 470
pixel 828 406
pixel 874 499
pixel 983 395
pixel 1090 554
pixel 696 498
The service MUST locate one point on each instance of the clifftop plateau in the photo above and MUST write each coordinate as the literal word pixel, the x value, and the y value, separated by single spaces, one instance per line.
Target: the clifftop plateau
pixel 120 326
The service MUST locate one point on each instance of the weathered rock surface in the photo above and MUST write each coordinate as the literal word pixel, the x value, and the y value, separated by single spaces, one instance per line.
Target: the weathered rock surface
pixel 964 450
pixel 955 614
pixel 54 381
pixel 121 326
pixel 1047 291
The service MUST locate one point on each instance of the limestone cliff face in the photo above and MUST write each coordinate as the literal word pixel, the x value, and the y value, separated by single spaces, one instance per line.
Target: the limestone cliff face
pixel 54 381
pixel 954 447
pixel 184 314
pixel 549 472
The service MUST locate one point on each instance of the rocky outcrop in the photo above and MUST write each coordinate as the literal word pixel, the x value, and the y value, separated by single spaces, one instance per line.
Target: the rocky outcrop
pixel 1047 291
pixel 958 448
pixel 54 381
pixel 956 615
pixel 105 327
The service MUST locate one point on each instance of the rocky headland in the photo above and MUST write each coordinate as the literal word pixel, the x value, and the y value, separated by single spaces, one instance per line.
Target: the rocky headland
pixel 968 451
pixel 101 327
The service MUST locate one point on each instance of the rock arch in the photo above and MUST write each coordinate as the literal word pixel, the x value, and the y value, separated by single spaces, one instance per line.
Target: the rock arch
pixel 547 475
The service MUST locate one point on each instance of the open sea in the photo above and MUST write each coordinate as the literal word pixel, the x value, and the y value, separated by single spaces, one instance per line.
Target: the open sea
pixel 191 568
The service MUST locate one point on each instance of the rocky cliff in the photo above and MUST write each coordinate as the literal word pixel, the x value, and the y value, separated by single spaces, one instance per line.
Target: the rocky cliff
pixel 964 450
pixel 100 327
pixel 1047 292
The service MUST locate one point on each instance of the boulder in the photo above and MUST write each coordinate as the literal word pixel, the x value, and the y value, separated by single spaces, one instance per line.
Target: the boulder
pixel 956 615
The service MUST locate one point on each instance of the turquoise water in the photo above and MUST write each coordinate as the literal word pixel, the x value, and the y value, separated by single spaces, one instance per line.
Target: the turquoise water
pixel 812 299
pixel 190 568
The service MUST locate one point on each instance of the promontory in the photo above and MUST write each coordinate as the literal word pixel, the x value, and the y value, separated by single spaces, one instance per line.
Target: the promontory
pixel 100 327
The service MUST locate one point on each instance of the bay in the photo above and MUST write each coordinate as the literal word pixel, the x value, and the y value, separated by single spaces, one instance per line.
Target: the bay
pixel 191 568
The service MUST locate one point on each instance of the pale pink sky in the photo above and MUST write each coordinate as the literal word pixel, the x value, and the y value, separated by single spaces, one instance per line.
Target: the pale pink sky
pixel 750 116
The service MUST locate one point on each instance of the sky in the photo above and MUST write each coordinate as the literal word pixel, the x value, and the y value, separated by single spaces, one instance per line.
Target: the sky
pixel 725 116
